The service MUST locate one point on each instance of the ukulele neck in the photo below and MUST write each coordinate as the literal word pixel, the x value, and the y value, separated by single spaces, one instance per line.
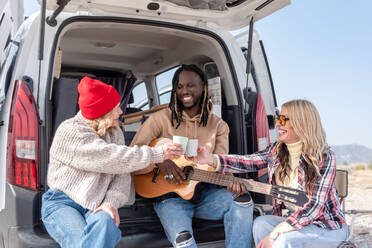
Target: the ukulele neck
pixel 226 180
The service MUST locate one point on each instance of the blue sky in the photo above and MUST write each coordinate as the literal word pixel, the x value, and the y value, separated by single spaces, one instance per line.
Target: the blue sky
pixel 321 50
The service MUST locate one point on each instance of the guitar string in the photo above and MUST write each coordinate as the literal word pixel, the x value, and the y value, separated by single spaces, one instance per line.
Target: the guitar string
pixel 225 180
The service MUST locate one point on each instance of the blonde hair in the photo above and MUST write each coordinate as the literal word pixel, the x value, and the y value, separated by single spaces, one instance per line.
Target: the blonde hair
pixel 103 124
pixel 305 120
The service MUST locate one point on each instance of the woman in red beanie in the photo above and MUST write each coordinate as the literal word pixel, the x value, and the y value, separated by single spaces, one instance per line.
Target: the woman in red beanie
pixel 89 170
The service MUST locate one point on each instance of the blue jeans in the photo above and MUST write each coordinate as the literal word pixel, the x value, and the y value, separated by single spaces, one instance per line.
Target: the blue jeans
pixel 308 236
pixel 216 203
pixel 71 225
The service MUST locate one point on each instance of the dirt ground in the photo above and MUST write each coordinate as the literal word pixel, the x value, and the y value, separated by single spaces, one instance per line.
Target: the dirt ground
pixel 360 198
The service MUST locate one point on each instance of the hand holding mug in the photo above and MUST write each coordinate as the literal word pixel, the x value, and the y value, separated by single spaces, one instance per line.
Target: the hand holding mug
pixel 172 150
pixel 203 157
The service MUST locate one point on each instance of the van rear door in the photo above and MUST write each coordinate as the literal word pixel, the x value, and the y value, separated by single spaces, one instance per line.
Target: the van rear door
pixel 10 19
pixel 5 69
pixel 261 76
pixel 221 14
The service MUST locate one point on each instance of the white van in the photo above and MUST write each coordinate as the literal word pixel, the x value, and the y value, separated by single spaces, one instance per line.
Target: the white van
pixel 134 46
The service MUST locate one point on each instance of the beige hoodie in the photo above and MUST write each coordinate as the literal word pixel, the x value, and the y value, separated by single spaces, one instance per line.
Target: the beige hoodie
pixel 214 136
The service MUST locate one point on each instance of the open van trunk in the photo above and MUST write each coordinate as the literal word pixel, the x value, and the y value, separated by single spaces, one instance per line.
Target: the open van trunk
pixel 127 44
pixel 124 53
pixel 219 14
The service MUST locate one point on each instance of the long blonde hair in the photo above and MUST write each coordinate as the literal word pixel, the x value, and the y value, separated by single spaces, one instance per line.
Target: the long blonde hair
pixel 305 120
pixel 103 124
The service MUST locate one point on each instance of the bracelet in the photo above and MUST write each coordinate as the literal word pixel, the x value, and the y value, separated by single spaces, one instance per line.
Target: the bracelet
pixel 214 163
pixel 274 235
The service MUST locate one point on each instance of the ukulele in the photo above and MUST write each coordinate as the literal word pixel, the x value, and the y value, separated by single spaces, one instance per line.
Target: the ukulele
pixel 154 184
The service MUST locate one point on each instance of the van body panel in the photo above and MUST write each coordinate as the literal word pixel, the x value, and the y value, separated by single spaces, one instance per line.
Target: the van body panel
pixel 11 18
pixel 5 32
pixel 26 63
pixel 224 16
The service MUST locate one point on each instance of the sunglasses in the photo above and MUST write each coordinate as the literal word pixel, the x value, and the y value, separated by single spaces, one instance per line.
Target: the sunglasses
pixel 282 119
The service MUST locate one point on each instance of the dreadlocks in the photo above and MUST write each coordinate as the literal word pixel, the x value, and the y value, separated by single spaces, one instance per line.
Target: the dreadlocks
pixel 177 107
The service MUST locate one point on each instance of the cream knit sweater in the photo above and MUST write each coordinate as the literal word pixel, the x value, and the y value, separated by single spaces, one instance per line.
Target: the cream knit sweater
pixel 93 170
pixel 295 151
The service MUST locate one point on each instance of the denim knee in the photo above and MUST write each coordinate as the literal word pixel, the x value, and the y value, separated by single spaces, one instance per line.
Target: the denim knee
pixel 243 206
pixel 104 221
pixel 246 198
pixel 100 231
pixel 184 239
pixel 258 223
pixel 260 228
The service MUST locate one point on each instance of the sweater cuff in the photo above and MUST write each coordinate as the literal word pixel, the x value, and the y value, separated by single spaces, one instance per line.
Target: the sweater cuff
pixel 221 164
pixel 158 155
pixel 112 202
pixel 217 161
pixel 283 227
pixel 146 170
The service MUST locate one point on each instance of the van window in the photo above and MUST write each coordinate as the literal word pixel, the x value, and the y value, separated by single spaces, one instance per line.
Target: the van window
pixel 164 85
pixel 140 97
pixel 165 96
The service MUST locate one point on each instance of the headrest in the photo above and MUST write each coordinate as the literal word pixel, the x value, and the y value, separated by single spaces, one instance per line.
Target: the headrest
pixel 131 98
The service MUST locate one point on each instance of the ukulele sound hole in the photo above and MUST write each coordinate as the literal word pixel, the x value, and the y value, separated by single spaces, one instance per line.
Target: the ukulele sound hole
pixel 188 171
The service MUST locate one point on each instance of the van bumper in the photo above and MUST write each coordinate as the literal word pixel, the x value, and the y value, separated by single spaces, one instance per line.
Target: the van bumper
pixel 21 237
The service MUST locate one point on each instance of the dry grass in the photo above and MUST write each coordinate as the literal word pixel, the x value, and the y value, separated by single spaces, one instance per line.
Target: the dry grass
pixel 360 187
pixel 360 198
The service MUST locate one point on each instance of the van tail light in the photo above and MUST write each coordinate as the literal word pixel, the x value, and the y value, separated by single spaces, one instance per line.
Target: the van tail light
pixel 262 125
pixel 23 139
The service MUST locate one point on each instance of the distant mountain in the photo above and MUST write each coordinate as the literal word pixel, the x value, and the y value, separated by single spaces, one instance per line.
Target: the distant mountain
pixel 352 154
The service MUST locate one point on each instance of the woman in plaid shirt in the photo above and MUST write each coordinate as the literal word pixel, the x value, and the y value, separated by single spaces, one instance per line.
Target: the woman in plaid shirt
pixel 300 159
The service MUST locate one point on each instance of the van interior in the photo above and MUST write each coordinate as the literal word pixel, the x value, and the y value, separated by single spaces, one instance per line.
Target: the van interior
pixel 128 55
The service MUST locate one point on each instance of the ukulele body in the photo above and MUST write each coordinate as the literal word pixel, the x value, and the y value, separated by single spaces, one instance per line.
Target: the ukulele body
pixel 145 186
pixel 149 186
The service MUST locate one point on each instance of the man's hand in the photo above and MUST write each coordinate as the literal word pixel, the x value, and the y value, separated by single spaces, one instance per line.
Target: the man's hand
pixel 237 188
pixel 113 212
pixel 266 242
pixel 172 150
pixel 169 168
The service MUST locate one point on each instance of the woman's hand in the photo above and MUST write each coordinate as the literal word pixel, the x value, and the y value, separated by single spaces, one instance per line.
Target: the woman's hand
pixel 266 242
pixel 204 157
pixel 172 150
pixel 237 188
pixel 113 212
pixel 172 172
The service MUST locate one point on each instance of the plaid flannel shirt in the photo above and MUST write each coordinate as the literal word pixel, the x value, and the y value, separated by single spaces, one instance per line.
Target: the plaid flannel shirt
pixel 323 208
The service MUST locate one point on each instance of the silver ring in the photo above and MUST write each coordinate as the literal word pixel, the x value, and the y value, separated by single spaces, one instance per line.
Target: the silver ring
pixel 170 177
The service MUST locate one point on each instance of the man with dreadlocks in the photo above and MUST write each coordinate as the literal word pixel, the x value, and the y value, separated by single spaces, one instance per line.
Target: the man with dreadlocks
pixel 189 114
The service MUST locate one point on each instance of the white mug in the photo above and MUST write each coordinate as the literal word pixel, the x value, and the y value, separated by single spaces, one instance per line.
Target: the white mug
pixel 181 140
pixel 192 148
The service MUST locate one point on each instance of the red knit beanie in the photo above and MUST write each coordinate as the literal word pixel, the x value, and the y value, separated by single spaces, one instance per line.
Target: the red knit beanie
pixel 96 98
